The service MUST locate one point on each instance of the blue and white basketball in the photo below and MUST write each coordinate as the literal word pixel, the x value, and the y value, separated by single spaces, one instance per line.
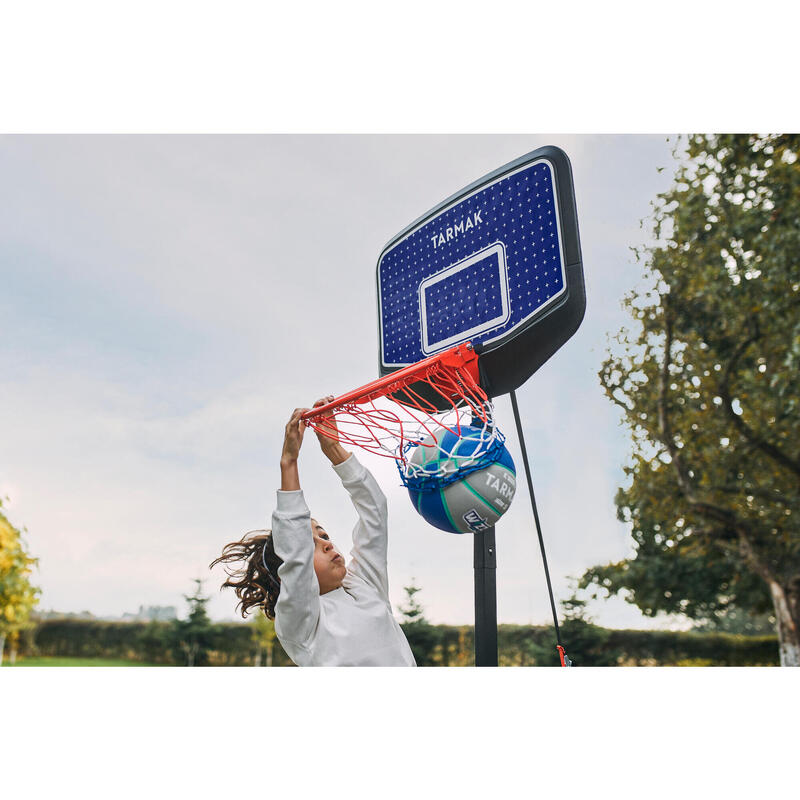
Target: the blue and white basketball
pixel 469 504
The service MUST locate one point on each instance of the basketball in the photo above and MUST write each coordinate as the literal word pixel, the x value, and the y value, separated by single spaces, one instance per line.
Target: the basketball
pixel 469 504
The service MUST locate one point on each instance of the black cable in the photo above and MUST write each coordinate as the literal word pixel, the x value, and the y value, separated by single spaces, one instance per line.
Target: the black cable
pixel 536 517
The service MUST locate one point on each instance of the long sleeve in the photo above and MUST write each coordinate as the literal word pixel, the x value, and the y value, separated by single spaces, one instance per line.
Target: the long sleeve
pixel 369 553
pixel 297 610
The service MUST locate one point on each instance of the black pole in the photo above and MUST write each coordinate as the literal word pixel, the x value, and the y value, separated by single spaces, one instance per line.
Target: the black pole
pixel 485 563
pixel 536 519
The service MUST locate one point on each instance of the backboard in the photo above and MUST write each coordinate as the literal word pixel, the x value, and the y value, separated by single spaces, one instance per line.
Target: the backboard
pixel 497 264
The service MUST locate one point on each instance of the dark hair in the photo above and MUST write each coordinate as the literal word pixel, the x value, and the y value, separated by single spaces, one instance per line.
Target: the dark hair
pixel 256 580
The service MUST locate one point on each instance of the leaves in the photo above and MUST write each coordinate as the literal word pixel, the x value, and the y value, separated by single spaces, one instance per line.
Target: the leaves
pixel 196 635
pixel 706 379
pixel 18 597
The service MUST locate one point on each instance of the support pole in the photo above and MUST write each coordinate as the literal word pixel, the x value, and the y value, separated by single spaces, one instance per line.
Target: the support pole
pixel 485 563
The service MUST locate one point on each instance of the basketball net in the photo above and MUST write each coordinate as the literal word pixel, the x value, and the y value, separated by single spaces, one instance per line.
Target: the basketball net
pixel 396 414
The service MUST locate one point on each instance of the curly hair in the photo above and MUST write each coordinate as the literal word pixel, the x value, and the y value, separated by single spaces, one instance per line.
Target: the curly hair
pixel 256 580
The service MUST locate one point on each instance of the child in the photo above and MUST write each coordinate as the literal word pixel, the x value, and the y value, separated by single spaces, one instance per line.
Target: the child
pixel 326 613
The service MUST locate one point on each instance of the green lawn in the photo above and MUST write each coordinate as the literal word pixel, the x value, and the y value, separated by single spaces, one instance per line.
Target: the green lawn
pixel 65 661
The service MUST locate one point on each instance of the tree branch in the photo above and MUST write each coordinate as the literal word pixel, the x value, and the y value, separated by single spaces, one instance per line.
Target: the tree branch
pixel 706 509
pixel 749 434
pixel 664 426
pixel 766 494
pixel 716 538
pixel 752 558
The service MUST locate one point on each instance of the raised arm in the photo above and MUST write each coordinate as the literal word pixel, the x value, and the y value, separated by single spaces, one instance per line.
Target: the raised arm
pixel 368 556
pixel 297 609
pixel 370 535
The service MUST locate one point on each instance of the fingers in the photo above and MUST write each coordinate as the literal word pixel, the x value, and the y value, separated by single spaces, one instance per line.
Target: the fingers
pixel 295 427
pixel 327 421
pixel 296 414
pixel 293 439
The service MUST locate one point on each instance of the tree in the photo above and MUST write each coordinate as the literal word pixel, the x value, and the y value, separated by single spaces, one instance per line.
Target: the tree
pixel 413 613
pixel 263 633
pixel 422 636
pixel 195 635
pixel 18 597
pixel 737 621
pixel 708 381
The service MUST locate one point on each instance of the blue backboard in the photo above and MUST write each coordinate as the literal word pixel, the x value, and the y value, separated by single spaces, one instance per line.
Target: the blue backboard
pixel 489 265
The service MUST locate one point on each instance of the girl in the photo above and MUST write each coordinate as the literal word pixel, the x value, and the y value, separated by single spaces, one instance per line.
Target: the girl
pixel 326 613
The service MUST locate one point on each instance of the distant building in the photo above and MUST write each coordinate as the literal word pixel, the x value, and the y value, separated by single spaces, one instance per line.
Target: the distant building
pixel 152 614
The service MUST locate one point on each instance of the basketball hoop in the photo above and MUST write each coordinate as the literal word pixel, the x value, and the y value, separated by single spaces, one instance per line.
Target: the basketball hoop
pixel 394 415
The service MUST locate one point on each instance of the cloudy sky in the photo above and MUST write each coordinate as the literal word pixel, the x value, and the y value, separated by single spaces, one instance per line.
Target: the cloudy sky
pixel 166 302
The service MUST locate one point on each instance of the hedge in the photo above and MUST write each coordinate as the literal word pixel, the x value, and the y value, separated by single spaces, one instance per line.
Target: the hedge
pixel 433 645
pixel 150 642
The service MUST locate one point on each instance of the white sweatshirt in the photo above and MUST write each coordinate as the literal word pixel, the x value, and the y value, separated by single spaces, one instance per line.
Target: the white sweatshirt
pixel 352 625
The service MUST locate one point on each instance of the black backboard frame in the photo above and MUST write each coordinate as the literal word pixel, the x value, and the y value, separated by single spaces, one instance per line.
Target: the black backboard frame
pixel 510 361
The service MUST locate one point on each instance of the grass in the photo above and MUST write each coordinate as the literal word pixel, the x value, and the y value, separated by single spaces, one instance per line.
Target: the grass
pixel 66 661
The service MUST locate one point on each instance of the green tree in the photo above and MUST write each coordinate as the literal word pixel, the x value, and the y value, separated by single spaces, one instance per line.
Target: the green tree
pixel 423 637
pixel 413 613
pixel 195 636
pixel 738 621
pixel 18 597
pixel 263 633
pixel 708 381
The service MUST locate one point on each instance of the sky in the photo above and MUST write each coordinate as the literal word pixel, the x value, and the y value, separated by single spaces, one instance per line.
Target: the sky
pixel 166 301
